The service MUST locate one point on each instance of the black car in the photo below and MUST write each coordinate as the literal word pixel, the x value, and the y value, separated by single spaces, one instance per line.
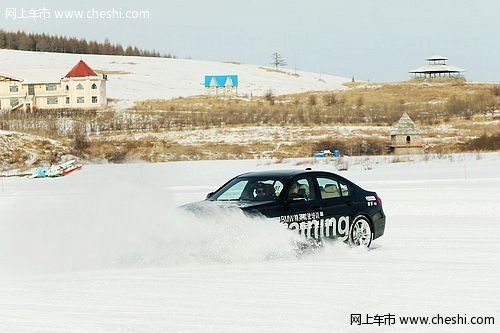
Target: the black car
pixel 317 204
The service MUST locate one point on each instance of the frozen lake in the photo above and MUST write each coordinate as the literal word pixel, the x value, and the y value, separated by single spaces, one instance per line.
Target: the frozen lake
pixel 106 250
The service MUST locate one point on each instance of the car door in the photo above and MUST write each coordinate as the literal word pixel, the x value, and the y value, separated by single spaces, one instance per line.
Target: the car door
pixel 336 205
pixel 301 211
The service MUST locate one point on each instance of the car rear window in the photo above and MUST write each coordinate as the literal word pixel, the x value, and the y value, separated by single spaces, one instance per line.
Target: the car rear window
pixel 332 188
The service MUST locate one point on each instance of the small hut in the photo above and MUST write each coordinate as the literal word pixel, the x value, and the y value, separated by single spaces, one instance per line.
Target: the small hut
pixel 221 85
pixel 406 138
pixel 436 68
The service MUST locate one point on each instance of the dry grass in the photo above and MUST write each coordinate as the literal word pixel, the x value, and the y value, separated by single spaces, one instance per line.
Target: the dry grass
pixel 477 126
pixel 127 63
pixel 21 151
pixel 110 72
pixel 366 103
pixel 162 151
pixel 279 71
pixel 484 143
pixel 468 109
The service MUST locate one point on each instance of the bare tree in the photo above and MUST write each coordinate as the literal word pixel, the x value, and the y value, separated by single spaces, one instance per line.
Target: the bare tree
pixel 269 96
pixel 277 60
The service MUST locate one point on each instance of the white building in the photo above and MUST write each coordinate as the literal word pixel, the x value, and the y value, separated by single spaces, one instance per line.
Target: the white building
pixel 81 88
pixel 221 85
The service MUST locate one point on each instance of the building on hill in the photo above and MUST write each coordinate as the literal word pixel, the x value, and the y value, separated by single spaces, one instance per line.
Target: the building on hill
pixel 437 68
pixel 221 85
pixel 80 88
pixel 406 138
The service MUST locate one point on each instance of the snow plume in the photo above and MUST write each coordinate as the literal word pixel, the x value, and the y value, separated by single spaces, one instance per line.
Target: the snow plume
pixel 123 227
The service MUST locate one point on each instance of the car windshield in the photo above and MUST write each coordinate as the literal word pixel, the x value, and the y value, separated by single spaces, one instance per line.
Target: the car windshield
pixel 250 189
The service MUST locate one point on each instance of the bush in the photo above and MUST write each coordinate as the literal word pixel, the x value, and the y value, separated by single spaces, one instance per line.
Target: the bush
pixel 495 90
pixel 330 99
pixel 353 147
pixel 312 100
pixel 485 142
pixel 79 144
pixel 116 156
pixel 269 96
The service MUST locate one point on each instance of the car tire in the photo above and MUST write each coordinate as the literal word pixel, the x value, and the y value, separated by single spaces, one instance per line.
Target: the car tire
pixel 361 232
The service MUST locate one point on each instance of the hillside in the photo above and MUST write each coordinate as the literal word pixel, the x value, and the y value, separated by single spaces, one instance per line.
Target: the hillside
pixel 155 125
pixel 455 117
pixel 18 149
pixel 133 79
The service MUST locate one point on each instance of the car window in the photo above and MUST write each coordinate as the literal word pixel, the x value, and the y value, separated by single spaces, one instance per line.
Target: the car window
pixel 234 192
pixel 331 188
pixel 300 190
pixel 266 189
pixel 251 190
pixel 344 189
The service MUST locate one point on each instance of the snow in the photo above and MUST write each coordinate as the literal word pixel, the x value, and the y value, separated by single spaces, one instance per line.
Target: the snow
pixel 105 250
pixel 256 134
pixel 141 78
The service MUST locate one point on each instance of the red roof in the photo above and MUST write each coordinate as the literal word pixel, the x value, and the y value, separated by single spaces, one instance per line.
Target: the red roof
pixel 81 69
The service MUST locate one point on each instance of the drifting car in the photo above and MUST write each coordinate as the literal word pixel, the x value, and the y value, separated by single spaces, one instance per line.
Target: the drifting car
pixel 317 204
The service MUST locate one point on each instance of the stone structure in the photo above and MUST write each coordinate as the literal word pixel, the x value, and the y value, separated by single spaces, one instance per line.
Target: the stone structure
pixel 406 138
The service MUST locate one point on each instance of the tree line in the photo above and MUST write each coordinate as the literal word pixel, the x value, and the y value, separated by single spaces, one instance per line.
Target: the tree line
pixel 21 40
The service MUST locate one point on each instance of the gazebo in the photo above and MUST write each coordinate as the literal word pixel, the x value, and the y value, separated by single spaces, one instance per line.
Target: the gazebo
pixel 437 67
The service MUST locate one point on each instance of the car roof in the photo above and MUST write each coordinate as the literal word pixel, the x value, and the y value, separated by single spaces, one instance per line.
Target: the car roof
pixel 279 173
pixel 275 173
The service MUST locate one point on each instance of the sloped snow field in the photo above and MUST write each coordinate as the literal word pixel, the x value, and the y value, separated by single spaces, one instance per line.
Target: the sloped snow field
pixel 106 250
pixel 133 79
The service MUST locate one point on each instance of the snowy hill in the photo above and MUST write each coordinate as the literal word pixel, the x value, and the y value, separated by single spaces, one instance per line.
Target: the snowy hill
pixel 141 78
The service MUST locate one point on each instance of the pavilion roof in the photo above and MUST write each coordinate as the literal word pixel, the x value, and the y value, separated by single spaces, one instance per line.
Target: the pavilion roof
pixel 436 57
pixel 437 68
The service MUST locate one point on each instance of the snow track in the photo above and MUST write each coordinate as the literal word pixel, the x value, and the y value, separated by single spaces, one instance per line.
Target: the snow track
pixel 104 250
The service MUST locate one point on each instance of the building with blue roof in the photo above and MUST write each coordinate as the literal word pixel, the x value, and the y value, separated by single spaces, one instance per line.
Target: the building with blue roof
pixel 221 85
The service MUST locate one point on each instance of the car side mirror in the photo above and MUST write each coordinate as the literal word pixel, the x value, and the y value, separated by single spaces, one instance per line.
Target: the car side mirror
pixel 209 195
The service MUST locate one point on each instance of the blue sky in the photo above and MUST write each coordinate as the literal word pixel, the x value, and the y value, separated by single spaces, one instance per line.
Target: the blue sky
pixel 374 40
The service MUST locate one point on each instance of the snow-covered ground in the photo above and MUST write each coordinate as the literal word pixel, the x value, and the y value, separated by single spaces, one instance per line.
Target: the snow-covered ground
pixel 105 250
pixel 141 78
pixel 258 134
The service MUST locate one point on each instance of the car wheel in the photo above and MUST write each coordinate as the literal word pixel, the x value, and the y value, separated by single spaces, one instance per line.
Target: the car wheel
pixel 361 232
